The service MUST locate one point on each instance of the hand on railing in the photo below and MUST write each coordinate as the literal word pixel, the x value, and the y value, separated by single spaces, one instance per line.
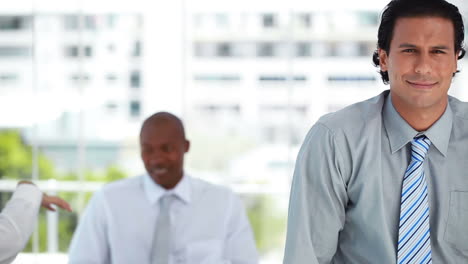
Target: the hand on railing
pixel 48 201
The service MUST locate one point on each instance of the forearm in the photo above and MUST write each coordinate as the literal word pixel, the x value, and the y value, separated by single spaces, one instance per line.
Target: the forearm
pixel 18 219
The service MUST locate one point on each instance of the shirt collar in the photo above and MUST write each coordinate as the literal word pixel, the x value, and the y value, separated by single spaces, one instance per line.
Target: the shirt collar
pixel 154 191
pixel 400 133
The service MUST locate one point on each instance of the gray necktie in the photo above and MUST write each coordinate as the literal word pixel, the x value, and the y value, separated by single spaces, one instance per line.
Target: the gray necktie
pixel 162 234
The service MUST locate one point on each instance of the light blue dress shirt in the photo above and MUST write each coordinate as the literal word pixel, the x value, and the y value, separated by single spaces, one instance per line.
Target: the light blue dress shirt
pixel 345 196
pixel 209 225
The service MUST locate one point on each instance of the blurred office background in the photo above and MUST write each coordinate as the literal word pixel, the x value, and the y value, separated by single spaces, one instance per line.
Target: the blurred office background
pixel 248 78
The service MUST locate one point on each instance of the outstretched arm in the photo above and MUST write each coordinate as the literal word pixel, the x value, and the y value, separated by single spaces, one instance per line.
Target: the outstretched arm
pixel 19 217
pixel 47 201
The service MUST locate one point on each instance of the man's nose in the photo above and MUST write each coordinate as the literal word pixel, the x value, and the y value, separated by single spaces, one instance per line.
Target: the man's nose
pixel 156 159
pixel 423 64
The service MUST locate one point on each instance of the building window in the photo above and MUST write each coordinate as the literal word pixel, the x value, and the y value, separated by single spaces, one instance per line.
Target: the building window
pixel 88 51
pixel 14 22
pixel 8 78
pixel 265 49
pixel 271 78
pixel 224 50
pixel 347 49
pixel 135 108
pixel 281 78
pixel 303 49
pixel 333 49
pixel 111 20
pixel 112 107
pixel 351 79
pixel 90 22
pixel 204 49
pixel 71 22
pixel 304 20
pixel 135 79
pixel 216 78
pixel 72 51
pixel 366 48
pixel 111 48
pixel 111 77
pixel 80 77
pixel 299 78
pixel 269 20
pixel 136 49
pixel 370 19
pixel 212 109
pixel 222 20
pixel 14 51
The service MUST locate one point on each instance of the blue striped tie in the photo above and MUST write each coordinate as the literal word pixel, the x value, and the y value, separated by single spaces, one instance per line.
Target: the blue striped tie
pixel 414 243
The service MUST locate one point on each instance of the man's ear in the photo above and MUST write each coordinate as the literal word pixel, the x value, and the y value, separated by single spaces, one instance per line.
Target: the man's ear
pixel 383 60
pixel 187 146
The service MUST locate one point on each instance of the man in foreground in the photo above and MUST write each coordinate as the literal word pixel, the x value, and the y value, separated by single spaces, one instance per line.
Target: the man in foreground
pixel 385 180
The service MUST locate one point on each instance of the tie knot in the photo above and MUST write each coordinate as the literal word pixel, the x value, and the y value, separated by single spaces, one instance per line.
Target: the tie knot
pixel 419 147
pixel 166 201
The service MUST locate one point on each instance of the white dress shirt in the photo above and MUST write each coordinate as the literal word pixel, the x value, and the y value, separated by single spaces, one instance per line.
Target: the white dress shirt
pixel 17 221
pixel 209 225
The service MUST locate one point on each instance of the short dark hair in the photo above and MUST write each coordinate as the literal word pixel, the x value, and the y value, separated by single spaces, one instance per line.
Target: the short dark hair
pixel 164 117
pixel 416 8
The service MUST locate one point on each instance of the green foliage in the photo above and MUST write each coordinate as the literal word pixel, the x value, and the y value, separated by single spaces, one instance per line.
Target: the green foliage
pixel 16 158
pixel 42 229
pixel 16 162
pixel 67 225
pixel 113 173
pixel 267 221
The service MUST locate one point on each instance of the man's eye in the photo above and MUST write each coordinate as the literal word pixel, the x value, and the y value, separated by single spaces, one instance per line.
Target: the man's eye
pixel 146 150
pixel 439 52
pixel 167 148
pixel 409 50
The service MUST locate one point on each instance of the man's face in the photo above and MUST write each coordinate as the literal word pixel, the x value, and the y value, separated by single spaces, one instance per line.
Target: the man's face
pixel 420 63
pixel 162 151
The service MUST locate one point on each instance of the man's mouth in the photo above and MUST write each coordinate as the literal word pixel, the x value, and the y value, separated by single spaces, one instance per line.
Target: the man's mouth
pixel 421 84
pixel 158 171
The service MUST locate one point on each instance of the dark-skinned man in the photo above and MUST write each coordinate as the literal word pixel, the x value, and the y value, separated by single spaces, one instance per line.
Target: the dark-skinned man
pixel 165 216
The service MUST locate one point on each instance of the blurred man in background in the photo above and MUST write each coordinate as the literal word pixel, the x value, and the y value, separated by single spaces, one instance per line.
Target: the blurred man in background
pixel 164 216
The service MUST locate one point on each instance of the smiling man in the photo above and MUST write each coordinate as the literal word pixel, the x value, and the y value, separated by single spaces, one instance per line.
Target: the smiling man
pixel 165 216
pixel 386 180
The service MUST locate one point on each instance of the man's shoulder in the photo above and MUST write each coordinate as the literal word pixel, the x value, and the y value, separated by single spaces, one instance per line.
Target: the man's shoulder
pixel 211 190
pixel 355 115
pixel 209 186
pixel 459 108
pixel 122 186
